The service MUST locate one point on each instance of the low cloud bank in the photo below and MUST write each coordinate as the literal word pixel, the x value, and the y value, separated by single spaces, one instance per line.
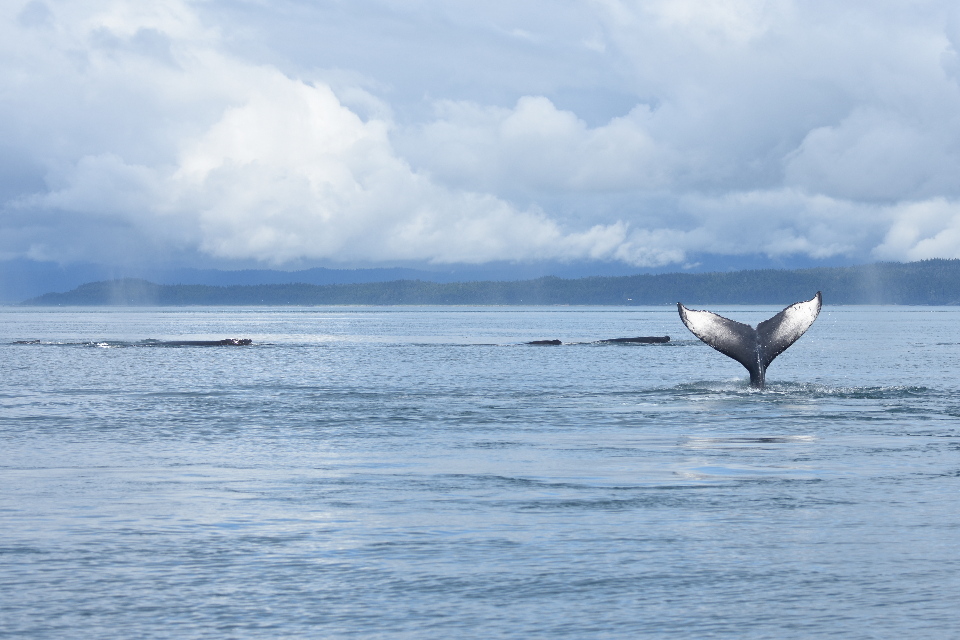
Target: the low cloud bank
pixel 135 132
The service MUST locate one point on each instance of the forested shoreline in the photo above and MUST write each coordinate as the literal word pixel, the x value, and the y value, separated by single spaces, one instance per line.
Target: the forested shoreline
pixel 928 282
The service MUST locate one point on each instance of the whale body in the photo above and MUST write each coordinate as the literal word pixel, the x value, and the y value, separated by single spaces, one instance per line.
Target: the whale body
pixel 639 340
pixel 754 348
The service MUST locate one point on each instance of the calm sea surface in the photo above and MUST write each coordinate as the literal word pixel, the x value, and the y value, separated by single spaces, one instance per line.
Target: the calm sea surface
pixel 419 473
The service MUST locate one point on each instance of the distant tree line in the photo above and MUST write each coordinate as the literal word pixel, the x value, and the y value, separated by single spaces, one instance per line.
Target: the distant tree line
pixel 928 282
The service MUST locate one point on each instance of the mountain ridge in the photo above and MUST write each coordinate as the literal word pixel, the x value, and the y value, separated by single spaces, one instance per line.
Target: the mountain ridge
pixel 927 282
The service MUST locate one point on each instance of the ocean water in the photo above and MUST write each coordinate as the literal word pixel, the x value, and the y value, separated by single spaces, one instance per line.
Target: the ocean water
pixel 420 473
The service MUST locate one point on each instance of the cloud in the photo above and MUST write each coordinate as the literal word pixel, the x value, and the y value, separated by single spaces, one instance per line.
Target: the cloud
pixel 464 133
pixel 292 173
pixel 876 157
pixel 922 230
pixel 188 146
pixel 536 146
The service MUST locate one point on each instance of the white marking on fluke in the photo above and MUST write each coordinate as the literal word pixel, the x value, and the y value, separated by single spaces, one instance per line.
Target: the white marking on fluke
pixel 754 348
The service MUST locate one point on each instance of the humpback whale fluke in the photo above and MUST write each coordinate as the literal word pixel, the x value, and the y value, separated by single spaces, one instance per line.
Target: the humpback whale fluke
pixel 756 348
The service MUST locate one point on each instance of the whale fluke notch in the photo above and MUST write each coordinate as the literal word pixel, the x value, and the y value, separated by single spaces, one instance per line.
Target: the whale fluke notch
pixel 754 348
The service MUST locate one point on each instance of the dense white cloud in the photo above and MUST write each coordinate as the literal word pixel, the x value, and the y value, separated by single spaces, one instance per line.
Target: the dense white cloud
pixel 921 230
pixel 536 146
pixel 877 156
pixel 186 145
pixel 645 132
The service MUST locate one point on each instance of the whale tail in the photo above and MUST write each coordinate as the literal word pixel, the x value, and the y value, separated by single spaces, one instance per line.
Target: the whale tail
pixel 754 348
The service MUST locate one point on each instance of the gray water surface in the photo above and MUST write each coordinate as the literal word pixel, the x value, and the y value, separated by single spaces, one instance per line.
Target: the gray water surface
pixel 419 473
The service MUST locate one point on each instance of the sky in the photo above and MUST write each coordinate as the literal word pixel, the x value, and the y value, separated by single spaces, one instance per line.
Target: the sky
pixel 648 134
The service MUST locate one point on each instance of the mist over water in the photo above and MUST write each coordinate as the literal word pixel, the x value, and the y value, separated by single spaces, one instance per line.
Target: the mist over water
pixel 421 473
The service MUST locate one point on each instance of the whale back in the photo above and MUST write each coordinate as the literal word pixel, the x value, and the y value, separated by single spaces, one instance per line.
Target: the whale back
pixel 756 348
